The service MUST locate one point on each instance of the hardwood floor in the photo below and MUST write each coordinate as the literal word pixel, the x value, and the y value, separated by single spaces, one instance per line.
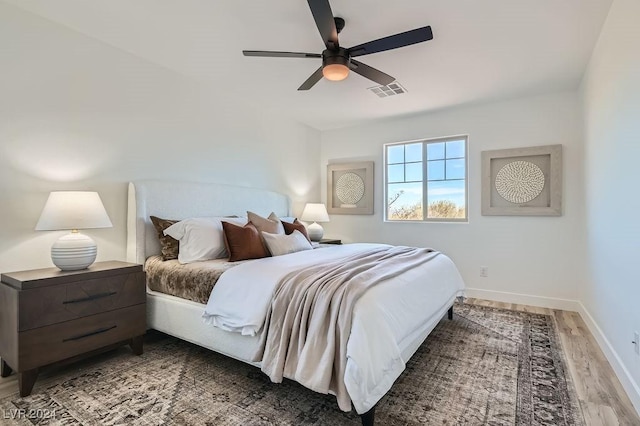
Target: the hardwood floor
pixel 602 398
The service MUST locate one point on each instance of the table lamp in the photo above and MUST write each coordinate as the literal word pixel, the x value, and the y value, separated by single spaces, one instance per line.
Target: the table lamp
pixel 315 212
pixel 73 210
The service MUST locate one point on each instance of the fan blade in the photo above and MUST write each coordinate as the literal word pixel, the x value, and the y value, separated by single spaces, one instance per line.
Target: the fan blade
pixel 311 81
pixel 322 14
pixel 271 54
pixel 392 42
pixel 371 73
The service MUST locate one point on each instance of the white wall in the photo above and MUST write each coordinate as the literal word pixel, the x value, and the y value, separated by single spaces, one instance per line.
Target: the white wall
pixel 611 94
pixel 78 114
pixel 540 256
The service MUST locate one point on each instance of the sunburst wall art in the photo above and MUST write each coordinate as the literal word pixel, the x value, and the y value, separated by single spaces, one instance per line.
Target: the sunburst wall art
pixel 350 188
pixel 522 181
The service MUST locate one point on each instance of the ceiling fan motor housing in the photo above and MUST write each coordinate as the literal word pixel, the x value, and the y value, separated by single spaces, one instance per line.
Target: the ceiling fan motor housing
pixel 339 56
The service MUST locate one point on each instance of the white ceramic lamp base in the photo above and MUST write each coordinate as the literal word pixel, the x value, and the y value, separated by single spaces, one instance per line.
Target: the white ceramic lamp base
pixel 315 231
pixel 74 251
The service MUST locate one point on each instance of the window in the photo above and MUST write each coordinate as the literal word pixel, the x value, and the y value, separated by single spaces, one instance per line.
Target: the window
pixel 431 173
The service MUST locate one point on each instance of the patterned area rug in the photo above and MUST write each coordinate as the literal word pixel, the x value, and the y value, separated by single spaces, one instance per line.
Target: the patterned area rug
pixel 485 367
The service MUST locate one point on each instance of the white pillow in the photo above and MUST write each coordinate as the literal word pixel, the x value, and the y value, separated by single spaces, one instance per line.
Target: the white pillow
pixel 279 244
pixel 201 238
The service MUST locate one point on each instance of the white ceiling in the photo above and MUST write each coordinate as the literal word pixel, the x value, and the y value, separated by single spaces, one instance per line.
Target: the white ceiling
pixel 482 49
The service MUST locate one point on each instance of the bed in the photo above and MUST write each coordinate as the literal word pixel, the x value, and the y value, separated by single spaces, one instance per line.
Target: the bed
pixel 406 307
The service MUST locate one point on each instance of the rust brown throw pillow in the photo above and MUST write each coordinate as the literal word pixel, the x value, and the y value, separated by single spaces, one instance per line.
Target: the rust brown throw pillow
pixel 295 226
pixel 169 246
pixel 243 242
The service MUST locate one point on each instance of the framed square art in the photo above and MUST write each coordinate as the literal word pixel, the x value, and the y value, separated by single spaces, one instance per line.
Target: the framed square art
pixel 522 181
pixel 350 188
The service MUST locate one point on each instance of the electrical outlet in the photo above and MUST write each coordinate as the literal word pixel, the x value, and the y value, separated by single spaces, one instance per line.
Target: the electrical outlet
pixel 484 271
pixel 636 342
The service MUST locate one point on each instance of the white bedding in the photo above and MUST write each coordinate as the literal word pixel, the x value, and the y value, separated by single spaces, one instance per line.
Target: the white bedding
pixel 385 323
pixel 242 295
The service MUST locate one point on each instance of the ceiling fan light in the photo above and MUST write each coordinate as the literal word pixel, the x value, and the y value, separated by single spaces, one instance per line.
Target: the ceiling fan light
pixel 335 72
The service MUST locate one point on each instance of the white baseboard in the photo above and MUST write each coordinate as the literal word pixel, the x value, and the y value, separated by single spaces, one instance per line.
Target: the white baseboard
pixel 525 299
pixel 629 385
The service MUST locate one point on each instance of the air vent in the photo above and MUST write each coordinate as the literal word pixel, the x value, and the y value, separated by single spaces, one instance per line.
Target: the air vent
pixel 390 90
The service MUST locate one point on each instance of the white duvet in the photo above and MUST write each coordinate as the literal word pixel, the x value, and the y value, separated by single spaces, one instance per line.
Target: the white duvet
pixel 387 320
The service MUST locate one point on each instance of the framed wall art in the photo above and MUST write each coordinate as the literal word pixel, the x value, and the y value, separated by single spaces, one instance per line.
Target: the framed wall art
pixel 522 181
pixel 350 188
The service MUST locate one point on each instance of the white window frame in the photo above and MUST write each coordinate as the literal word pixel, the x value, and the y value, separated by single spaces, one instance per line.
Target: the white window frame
pixel 425 181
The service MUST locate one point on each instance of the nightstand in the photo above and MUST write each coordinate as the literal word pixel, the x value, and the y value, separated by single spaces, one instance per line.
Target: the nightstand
pixel 48 315
pixel 330 241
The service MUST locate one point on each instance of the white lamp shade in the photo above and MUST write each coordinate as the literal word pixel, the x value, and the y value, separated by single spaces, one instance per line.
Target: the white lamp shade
pixel 315 212
pixel 73 210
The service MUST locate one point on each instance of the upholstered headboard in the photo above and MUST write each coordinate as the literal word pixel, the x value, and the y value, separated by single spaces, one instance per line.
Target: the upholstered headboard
pixel 182 200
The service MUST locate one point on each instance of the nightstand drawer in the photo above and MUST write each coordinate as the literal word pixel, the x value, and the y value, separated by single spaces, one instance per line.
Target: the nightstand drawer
pixel 45 306
pixel 60 341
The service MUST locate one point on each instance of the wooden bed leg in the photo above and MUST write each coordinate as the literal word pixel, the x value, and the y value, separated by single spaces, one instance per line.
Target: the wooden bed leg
pixel 368 417
pixel 450 313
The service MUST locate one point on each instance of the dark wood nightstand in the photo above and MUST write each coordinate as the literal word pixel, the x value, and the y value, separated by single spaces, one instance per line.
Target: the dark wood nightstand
pixel 48 315
pixel 330 241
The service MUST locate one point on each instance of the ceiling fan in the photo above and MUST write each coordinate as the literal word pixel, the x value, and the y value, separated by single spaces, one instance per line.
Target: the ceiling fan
pixel 336 60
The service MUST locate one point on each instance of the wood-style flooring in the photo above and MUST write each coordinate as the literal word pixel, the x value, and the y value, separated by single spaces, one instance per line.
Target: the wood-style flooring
pixel 602 398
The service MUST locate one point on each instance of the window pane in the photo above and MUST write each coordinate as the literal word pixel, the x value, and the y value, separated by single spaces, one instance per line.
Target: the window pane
pixel 404 201
pixel 426 180
pixel 395 154
pixel 395 173
pixel 455 169
pixel 413 152
pixel 435 170
pixel 435 151
pixel 446 199
pixel 455 149
pixel 414 172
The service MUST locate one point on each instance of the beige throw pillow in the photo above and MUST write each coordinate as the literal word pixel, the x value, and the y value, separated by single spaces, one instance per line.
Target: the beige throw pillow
pixel 279 244
pixel 271 224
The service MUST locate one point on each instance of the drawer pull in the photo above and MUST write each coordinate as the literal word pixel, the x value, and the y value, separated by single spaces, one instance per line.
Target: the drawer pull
pixel 87 299
pixel 82 336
